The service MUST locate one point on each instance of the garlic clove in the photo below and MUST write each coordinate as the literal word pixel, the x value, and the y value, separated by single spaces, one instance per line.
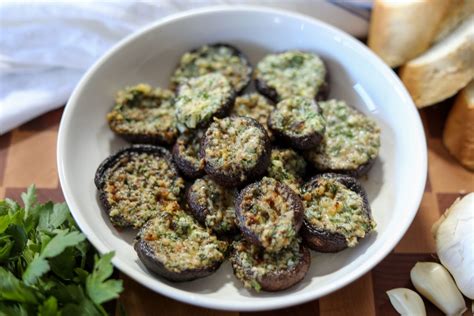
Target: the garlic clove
pixel 434 282
pixel 454 236
pixel 407 302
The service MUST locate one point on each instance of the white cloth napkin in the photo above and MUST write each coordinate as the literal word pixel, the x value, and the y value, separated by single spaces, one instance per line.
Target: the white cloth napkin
pixel 45 47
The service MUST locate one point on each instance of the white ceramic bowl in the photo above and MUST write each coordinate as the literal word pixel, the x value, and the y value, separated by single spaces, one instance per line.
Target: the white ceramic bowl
pixel 395 184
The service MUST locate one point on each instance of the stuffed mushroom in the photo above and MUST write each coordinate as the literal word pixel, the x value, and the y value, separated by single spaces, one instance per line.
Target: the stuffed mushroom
pixel 255 106
pixel 212 205
pixel 291 73
pixel 297 121
pixel 186 154
pixel 235 150
pixel 136 182
pixel 350 143
pixel 288 167
pixel 336 213
pixel 269 214
pixel 201 98
pixel 174 246
pixel 222 58
pixel 143 114
pixel 260 270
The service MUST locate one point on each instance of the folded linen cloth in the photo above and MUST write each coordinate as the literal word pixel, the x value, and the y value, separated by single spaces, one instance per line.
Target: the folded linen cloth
pixel 45 47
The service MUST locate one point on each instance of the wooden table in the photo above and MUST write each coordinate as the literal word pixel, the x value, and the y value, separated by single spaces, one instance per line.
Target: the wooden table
pixel 28 155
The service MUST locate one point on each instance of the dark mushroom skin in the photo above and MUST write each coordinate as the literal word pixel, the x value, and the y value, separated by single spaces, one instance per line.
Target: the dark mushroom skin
pixel 350 144
pixel 245 257
pixel 152 245
pixel 298 122
pixel 324 240
pixel 186 154
pixel 145 115
pixel 287 60
pixel 212 205
pixel 237 61
pixel 269 214
pixel 167 189
pixel 241 134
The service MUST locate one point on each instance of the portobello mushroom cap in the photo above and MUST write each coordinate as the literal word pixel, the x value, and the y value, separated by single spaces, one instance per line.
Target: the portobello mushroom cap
pixel 276 66
pixel 298 122
pixel 145 115
pixel 156 248
pixel 250 263
pixel 269 214
pixel 212 205
pixel 350 143
pixel 326 240
pixel 150 166
pixel 236 150
pixel 200 99
pixel 224 58
pixel 186 154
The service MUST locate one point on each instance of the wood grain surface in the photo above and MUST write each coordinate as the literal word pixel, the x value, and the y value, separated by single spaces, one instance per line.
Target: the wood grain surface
pixel 28 155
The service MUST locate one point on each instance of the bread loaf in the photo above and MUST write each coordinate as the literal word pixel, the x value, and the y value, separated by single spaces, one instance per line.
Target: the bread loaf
pixel 444 69
pixel 458 135
pixel 401 30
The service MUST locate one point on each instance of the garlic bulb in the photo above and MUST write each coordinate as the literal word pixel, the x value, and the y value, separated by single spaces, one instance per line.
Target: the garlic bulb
pixel 454 236
pixel 407 302
pixel 434 282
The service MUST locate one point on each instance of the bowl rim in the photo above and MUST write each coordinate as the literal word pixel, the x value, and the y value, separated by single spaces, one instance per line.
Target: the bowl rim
pixel 271 302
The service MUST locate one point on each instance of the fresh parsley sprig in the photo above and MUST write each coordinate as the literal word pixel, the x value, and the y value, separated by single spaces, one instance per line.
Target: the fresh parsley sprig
pixel 47 267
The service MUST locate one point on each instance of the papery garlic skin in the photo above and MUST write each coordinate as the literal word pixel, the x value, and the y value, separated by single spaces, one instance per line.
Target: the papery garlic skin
pixel 454 236
pixel 407 302
pixel 434 282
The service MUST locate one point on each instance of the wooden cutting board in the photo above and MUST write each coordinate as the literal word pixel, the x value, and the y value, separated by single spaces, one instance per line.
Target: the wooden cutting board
pixel 28 155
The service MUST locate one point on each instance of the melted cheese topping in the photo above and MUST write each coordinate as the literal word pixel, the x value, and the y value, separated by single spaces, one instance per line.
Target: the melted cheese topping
pixel 180 243
pixel 138 186
pixel 218 202
pixel 251 264
pixel 287 167
pixel 267 211
pixel 209 59
pixel 143 110
pixel 255 106
pixel 189 147
pixel 334 207
pixel 297 117
pixel 351 139
pixel 234 145
pixel 292 73
pixel 200 98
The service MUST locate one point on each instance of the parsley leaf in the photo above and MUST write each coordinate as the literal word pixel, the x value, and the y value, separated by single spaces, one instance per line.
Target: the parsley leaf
pixel 46 262
pixel 98 289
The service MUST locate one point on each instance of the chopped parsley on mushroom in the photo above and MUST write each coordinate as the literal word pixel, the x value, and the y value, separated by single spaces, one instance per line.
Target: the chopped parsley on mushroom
pixel 269 214
pixel 333 207
pixel 291 73
pixel 287 167
pixel 235 148
pixel 297 120
pixel 201 98
pixel 180 244
pixel 137 185
pixel 351 139
pixel 144 114
pixel 213 204
pixel 255 106
pixel 220 58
